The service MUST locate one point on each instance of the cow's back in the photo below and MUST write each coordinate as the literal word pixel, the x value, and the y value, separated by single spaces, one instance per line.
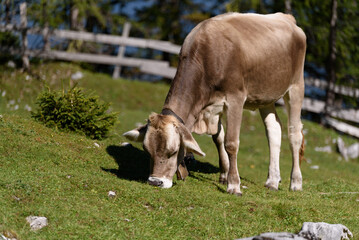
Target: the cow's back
pixel 258 55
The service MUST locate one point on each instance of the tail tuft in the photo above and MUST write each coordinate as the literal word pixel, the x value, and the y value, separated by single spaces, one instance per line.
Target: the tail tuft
pixel 301 151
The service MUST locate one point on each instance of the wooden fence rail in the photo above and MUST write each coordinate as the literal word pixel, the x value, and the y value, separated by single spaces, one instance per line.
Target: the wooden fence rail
pixel 162 68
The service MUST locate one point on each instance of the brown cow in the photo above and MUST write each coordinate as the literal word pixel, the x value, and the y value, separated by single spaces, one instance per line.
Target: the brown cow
pixel 227 63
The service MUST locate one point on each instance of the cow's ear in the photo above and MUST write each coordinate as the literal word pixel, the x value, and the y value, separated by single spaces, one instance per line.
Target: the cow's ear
pixel 188 141
pixel 137 134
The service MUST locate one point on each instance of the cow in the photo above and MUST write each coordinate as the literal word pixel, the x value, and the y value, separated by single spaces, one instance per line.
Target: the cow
pixel 226 64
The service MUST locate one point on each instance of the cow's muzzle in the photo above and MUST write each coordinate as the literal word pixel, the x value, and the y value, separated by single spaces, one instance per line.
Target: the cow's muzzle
pixel 159 182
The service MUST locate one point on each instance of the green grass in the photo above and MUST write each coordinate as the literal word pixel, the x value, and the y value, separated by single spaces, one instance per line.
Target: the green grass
pixel 64 177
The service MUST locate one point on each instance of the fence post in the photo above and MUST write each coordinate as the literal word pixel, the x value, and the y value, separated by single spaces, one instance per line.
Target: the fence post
pixel 45 31
pixel 23 26
pixel 121 50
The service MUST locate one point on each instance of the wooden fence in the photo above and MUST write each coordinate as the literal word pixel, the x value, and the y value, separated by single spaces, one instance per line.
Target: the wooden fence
pixel 155 67
pixel 340 118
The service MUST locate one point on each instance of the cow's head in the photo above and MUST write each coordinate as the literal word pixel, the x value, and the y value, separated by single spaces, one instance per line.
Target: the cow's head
pixel 167 141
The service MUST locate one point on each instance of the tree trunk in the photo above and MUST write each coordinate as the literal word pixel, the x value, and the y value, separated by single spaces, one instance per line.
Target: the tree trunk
pixel 45 31
pixel 7 12
pixel 288 7
pixel 330 96
pixel 23 25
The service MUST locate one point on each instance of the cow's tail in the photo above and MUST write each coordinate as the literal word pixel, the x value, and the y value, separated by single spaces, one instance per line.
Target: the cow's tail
pixel 301 151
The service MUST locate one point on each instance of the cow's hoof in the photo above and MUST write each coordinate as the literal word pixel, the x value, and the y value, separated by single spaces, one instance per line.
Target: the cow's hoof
pixel 296 188
pixel 222 180
pixel 234 191
pixel 272 186
pixel 296 185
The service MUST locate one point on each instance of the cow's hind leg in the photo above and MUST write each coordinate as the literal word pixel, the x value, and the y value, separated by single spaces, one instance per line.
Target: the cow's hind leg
pixel 274 135
pixel 218 139
pixel 293 101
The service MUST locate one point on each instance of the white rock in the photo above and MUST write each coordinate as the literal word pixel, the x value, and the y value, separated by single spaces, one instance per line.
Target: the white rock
pixel 325 231
pixel 96 145
pixel 77 75
pixel 111 194
pixel 348 152
pixel 27 108
pixel 315 167
pixel 36 222
pixel 327 149
pixel 11 64
pixel 310 231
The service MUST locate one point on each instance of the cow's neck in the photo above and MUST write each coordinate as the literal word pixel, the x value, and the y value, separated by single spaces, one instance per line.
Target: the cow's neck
pixel 167 111
pixel 186 97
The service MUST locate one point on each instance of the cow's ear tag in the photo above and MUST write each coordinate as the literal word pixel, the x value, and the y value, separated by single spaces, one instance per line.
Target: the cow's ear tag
pixel 182 171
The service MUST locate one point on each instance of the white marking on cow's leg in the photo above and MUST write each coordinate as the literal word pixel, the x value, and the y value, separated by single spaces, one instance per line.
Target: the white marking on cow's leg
pixel 293 100
pixel 218 139
pixel 274 135
pixel 231 141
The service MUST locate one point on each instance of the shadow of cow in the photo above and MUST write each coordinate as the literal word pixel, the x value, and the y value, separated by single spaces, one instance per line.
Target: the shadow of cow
pixel 134 164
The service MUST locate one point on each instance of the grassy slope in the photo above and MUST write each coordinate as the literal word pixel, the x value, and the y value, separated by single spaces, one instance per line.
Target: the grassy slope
pixel 66 178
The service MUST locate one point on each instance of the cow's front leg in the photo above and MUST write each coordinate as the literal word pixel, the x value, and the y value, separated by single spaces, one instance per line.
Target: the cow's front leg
pixel 218 139
pixel 234 120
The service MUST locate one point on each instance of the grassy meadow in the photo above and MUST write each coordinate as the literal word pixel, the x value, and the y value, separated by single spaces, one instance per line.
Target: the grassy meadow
pixel 66 177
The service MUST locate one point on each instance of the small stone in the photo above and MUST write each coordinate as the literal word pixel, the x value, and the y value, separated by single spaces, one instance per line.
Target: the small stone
pixel 77 75
pixel 96 145
pixel 36 222
pixel 16 198
pixel 327 149
pixel 244 187
pixel 27 108
pixel 111 194
pixel 11 64
pixel 315 167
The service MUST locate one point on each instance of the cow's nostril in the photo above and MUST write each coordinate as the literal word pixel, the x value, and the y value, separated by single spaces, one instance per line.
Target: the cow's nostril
pixel 155 182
